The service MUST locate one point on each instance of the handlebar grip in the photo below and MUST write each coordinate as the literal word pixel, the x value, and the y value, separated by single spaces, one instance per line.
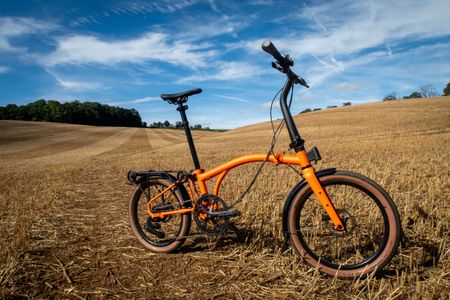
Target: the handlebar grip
pixel 272 50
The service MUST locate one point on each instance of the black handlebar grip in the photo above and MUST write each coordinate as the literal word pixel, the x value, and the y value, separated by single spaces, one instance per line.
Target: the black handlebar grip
pixel 272 50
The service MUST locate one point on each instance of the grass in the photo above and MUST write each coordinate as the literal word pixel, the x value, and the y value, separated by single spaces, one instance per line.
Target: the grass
pixel 64 200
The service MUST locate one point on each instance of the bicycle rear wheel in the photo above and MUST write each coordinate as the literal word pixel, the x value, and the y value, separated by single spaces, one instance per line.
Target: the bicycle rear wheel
pixel 161 235
pixel 371 219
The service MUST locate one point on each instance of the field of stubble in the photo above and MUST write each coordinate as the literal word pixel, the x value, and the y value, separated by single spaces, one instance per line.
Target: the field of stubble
pixel 65 231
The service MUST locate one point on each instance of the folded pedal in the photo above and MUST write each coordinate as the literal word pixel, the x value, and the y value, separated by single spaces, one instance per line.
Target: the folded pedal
pixel 224 213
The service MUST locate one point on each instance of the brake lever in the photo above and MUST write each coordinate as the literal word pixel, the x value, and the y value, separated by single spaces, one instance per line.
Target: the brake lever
pixel 277 66
pixel 302 81
pixel 298 80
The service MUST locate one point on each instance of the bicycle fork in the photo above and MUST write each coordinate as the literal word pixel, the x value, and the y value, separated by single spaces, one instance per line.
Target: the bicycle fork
pixel 310 177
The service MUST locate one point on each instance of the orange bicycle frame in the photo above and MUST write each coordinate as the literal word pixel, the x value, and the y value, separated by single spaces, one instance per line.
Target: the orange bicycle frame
pixel 300 159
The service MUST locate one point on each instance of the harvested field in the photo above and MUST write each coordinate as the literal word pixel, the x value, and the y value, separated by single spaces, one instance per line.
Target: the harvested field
pixel 64 201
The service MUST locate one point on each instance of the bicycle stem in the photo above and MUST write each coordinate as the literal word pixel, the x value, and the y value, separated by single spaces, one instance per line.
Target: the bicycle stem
pixel 297 143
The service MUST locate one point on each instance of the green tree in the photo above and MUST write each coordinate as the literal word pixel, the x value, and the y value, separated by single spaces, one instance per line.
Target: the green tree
pixel 447 90
pixel 306 111
pixel 413 95
pixel 390 97
pixel 346 104
pixel 90 113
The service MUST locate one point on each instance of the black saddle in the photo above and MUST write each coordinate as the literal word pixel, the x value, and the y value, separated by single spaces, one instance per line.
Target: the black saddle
pixel 180 97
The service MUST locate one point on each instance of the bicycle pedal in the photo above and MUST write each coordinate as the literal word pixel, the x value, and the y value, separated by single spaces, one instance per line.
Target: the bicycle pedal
pixel 224 213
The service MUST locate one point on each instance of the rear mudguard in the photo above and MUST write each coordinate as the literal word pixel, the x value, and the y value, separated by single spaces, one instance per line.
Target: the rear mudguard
pixel 138 177
pixel 292 194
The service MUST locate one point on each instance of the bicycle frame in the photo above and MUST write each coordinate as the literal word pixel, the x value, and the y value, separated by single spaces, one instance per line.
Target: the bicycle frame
pixel 300 159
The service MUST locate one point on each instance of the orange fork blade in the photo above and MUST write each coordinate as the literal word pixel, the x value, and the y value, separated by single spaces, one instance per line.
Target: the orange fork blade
pixel 319 191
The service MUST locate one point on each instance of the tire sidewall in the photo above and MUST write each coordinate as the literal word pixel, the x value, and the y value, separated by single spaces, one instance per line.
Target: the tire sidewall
pixel 185 223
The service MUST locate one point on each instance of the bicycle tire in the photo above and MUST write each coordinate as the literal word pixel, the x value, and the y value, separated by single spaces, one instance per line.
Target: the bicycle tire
pixel 371 218
pixel 176 226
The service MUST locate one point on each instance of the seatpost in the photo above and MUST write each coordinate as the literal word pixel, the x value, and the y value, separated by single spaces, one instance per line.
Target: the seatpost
pixel 182 109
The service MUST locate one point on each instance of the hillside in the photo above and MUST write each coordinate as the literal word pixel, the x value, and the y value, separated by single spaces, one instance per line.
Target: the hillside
pixel 64 206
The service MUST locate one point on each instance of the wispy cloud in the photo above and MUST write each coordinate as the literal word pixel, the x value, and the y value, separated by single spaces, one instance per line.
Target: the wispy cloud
pixel 267 105
pixel 84 49
pixel 261 2
pixel 238 99
pixel 78 85
pixel 15 27
pixel 134 8
pixel 4 69
pixel 226 71
pixel 145 99
pixel 346 86
pixel 214 7
pixel 210 28
pixel 352 26
pixel 74 84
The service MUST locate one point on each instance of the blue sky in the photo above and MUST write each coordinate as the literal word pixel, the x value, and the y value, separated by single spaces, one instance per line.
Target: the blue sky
pixel 127 53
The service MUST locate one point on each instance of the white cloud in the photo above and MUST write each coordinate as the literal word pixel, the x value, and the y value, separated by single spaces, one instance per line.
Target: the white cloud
pixel 210 28
pixel 346 86
pixel 348 27
pixel 214 7
pixel 83 49
pixel 15 27
pixel 137 101
pixel 135 8
pixel 232 70
pixel 261 2
pixel 4 69
pixel 238 99
pixel 352 26
pixel 74 84
pixel 145 99
pixel 78 85
pixel 276 104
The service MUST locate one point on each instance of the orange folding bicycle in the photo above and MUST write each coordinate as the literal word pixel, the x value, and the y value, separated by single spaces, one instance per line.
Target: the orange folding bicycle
pixel 340 222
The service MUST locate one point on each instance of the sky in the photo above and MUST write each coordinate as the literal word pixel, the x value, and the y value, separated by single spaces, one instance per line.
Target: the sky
pixel 127 53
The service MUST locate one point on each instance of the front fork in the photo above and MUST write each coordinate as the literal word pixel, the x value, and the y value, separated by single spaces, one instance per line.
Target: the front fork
pixel 310 177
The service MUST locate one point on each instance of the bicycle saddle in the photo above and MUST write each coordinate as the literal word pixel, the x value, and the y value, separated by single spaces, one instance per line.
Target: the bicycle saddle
pixel 180 97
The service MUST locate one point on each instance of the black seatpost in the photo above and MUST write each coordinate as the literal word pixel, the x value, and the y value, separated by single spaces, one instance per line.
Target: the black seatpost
pixel 182 109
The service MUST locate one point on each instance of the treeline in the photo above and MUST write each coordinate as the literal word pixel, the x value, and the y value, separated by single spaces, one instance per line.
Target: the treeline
pixel 75 112
pixel 177 125
pixel 307 110
pixel 424 91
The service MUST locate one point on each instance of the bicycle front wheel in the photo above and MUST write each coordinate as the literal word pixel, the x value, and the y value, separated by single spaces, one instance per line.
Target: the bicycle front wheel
pixel 370 217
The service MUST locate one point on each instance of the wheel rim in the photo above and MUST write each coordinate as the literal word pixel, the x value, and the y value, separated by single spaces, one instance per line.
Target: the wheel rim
pixel 359 209
pixel 170 226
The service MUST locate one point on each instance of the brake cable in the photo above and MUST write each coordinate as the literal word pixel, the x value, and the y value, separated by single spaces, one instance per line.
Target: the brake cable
pixel 276 134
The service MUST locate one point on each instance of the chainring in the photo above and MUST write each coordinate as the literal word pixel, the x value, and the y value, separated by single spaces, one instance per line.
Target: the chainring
pixel 207 223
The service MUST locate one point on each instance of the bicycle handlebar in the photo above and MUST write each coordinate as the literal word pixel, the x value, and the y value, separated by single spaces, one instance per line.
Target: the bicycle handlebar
pixel 284 63
pixel 272 50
